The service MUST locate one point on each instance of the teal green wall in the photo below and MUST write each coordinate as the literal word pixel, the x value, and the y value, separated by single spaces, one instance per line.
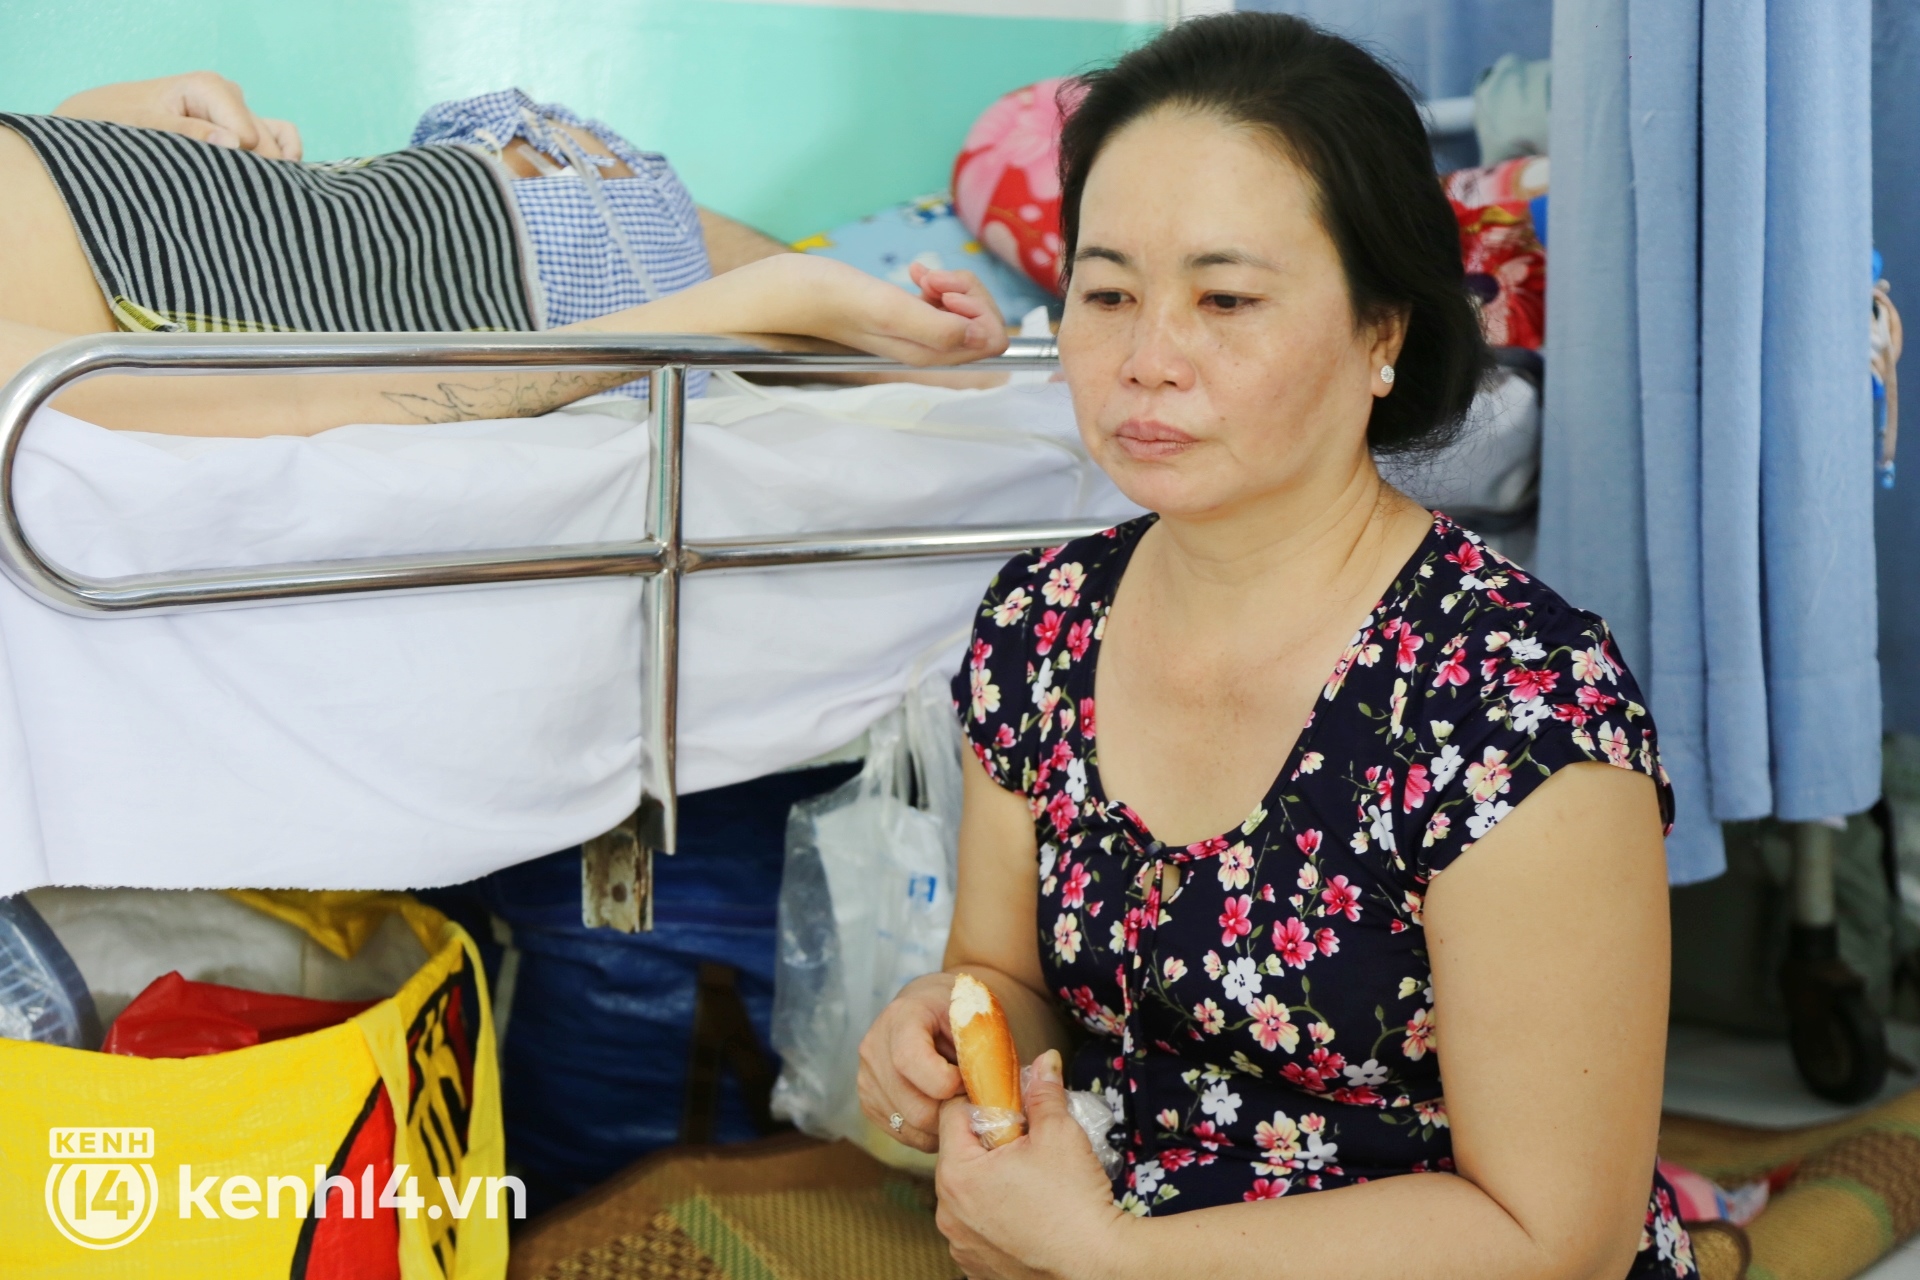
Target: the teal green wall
pixel 794 118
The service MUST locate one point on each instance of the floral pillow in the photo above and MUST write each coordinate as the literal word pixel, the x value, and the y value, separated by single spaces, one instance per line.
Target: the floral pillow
pixel 1006 183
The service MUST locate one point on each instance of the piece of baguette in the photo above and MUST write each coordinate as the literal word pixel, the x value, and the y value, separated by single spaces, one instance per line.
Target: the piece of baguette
pixel 989 1064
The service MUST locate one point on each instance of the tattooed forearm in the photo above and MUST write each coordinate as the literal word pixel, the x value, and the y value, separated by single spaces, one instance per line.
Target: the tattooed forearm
pixel 506 396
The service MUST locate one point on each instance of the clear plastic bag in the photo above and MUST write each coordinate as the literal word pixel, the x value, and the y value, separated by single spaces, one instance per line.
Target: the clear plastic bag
pixel 1095 1116
pixel 997 1126
pixel 42 996
pixel 865 906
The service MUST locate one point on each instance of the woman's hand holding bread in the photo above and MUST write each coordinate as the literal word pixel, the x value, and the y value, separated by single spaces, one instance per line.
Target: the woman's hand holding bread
pixel 906 1062
pixel 988 1198
pixel 943 1037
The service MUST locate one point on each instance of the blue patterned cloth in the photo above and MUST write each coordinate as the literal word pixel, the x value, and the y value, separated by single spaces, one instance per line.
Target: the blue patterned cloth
pixel 599 244
pixel 925 231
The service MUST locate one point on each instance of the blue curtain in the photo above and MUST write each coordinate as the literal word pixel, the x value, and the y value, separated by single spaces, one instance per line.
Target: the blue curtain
pixel 1707 479
pixel 1440 45
pixel 1896 230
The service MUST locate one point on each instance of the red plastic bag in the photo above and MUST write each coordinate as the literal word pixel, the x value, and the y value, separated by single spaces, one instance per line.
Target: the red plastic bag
pixel 175 1018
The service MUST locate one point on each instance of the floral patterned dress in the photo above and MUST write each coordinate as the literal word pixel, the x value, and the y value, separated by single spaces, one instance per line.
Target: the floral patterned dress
pixel 1260 1002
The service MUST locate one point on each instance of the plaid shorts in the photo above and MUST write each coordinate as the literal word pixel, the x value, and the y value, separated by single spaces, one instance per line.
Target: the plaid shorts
pixel 599 244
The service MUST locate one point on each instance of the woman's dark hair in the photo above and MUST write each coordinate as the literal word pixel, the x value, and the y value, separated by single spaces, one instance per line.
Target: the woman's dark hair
pixel 1350 123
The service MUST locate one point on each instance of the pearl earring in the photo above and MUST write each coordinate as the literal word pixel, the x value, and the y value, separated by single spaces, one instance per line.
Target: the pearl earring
pixel 1386 374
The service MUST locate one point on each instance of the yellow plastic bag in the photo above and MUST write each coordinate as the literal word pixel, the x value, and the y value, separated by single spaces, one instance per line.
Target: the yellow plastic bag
pixel 177 1169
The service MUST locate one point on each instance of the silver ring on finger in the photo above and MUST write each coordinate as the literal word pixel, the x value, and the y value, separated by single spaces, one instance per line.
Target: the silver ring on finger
pixel 896 1122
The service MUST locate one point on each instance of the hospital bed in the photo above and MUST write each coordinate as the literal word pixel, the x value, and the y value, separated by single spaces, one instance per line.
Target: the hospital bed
pixel 481 652
pixel 660 560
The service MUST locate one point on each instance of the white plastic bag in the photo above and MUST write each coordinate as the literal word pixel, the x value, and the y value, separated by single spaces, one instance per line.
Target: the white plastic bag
pixel 865 906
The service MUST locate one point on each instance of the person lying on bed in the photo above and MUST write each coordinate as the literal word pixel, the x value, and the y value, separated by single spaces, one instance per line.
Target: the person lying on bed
pixel 1353 906
pixel 168 205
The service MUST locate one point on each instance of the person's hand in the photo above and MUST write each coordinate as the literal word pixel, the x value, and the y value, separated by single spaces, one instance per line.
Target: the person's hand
pixel 906 1062
pixel 199 104
pixel 960 293
pixel 954 319
pixel 1039 1206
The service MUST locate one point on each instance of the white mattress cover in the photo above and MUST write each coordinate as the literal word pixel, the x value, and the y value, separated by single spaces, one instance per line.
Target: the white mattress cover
pixel 404 741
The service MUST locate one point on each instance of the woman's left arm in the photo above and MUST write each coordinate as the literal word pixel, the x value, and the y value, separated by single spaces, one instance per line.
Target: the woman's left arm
pixel 1549 945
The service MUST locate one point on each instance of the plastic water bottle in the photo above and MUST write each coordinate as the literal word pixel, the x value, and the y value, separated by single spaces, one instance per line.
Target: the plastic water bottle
pixel 42 995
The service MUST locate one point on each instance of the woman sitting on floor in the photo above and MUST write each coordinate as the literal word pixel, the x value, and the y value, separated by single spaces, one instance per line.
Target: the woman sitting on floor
pixel 1360 875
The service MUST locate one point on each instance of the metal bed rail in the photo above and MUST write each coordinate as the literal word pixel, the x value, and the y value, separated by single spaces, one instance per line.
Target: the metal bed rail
pixel 661 558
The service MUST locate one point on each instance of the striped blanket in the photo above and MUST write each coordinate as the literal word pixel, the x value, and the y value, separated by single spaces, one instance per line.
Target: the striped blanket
pixel 187 237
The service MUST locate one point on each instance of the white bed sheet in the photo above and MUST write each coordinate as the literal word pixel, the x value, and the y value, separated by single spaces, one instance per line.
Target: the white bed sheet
pixel 405 741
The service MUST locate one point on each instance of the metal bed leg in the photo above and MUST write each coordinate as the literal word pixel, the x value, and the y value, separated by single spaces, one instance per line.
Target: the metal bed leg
pixel 616 869
pixel 616 880
pixel 661 683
